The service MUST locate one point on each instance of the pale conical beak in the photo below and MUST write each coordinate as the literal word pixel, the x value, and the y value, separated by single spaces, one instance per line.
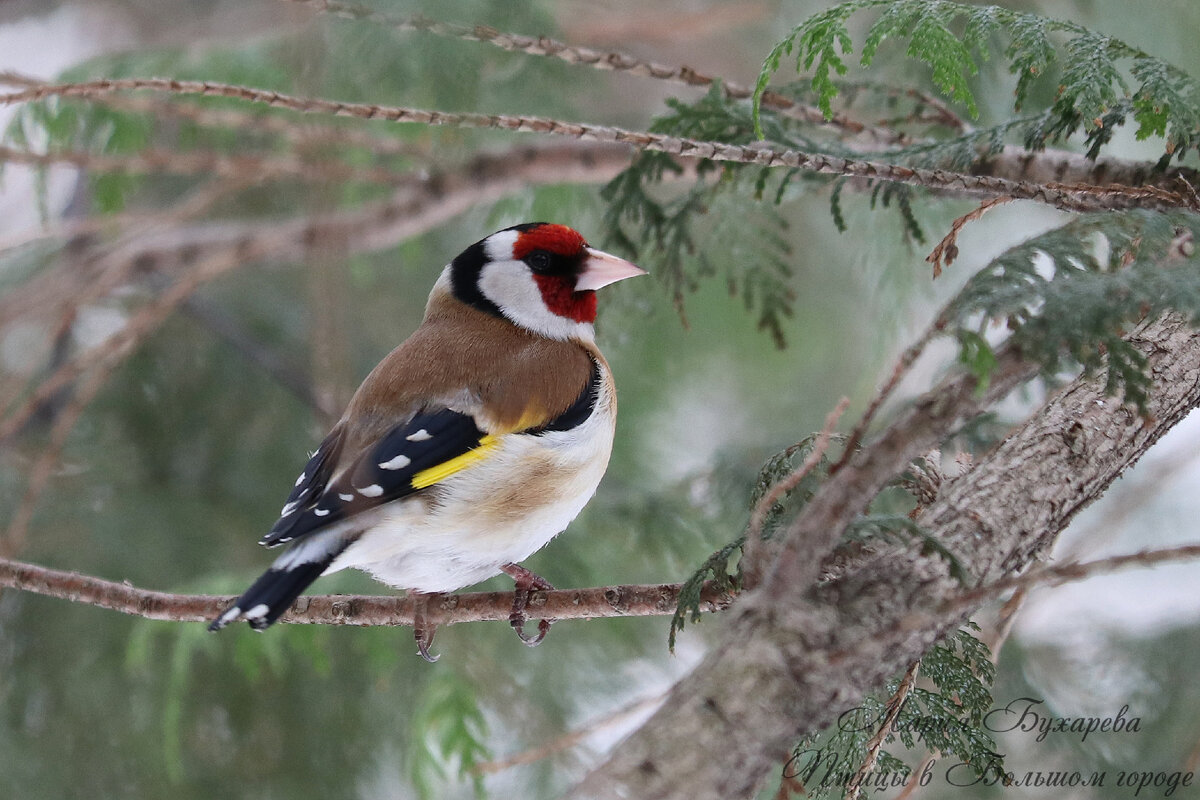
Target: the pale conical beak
pixel 600 269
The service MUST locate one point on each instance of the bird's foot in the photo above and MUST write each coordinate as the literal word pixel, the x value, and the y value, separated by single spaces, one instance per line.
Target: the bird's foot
pixel 527 582
pixel 423 629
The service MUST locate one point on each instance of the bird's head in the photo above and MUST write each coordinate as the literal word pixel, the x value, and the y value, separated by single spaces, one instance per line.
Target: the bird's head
pixel 540 276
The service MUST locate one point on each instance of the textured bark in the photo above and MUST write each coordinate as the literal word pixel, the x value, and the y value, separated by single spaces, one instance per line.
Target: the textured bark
pixel 360 610
pixel 793 657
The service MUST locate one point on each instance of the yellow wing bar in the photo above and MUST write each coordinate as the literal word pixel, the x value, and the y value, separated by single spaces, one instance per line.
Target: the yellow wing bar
pixel 439 472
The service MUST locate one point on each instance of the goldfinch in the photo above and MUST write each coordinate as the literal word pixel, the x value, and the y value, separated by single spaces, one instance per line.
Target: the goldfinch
pixel 471 445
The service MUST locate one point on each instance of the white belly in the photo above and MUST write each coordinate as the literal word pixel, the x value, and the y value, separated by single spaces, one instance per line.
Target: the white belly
pixel 498 511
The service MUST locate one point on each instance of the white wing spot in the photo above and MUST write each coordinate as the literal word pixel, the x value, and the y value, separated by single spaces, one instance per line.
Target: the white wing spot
pixel 374 490
pixel 258 612
pixel 229 616
pixel 289 508
pixel 299 480
pixel 399 462
pixel 420 436
pixel 346 497
pixel 321 512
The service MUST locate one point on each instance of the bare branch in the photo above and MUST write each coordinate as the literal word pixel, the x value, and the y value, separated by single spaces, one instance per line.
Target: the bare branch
pixel 607 60
pixel 314 133
pixel 570 739
pixel 43 466
pixel 1069 197
pixel 204 162
pixel 1067 573
pixel 651 600
pixel 947 249
pixel 903 365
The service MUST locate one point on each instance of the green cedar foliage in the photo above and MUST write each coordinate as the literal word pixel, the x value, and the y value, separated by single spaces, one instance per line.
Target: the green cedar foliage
pixel 673 235
pixel 1069 295
pixel 946 719
pixel 1064 299
pixel 953 38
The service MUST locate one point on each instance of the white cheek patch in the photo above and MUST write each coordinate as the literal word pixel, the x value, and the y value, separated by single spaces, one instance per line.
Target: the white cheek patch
pixel 510 285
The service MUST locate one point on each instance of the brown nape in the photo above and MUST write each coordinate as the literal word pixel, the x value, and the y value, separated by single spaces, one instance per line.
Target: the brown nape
pixel 464 356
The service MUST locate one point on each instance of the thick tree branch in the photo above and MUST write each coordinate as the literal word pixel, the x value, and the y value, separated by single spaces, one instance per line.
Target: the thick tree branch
pixel 1069 197
pixel 651 600
pixel 796 653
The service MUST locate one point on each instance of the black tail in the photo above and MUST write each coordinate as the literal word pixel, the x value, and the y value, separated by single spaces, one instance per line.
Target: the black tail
pixel 275 590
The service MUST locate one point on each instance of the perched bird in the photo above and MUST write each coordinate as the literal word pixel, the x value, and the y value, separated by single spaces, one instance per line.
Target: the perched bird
pixel 471 445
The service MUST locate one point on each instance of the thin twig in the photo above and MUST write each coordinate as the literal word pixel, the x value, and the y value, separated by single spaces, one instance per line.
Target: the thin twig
pixel 610 601
pixel 875 744
pixel 903 365
pixel 943 114
pixel 570 739
pixel 1068 573
pixel 607 60
pixel 947 249
pixel 76 281
pixel 1075 197
pixel 102 360
pixel 753 556
pixel 652 600
pixel 229 329
pixel 113 270
pixel 301 136
pixel 203 162
pixel 43 467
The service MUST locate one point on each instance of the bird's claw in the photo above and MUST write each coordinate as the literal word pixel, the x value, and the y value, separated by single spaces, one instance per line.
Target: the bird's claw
pixel 423 629
pixel 518 622
pixel 527 582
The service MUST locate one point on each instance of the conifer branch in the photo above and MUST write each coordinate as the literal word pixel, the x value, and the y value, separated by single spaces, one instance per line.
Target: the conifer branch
pixel 875 744
pixel 797 653
pixel 1074 197
pixel 605 60
pixel 314 133
pixel 753 557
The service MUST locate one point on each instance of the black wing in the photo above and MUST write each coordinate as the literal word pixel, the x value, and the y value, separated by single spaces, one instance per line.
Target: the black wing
pixel 423 451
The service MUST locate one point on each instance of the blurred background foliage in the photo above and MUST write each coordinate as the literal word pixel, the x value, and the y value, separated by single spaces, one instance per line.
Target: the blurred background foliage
pixel 176 468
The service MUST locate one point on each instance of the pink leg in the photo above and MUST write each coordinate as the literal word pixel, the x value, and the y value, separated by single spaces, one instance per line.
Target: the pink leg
pixel 527 582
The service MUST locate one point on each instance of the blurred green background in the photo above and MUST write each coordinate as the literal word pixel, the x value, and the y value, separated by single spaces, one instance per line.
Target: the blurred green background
pixel 180 464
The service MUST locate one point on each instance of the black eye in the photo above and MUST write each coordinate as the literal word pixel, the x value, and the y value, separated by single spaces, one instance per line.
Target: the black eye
pixel 538 261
